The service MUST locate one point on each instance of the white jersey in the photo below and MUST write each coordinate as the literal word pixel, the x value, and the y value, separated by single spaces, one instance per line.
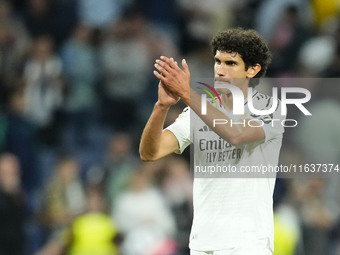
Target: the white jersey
pixel 230 212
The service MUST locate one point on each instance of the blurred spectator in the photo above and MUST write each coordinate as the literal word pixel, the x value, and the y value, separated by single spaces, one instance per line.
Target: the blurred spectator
pixel 316 57
pixel 156 43
pixel 55 18
pixel 245 12
pixel 177 189
pixel 136 45
pixel 134 213
pixel 331 54
pixel 324 147
pixel 101 13
pixel 64 197
pixel 12 207
pixel 14 45
pixel 18 5
pixel 321 198
pixel 287 226
pixel 286 237
pixel 286 41
pixel 204 19
pixel 324 11
pixel 44 88
pixel 162 15
pixel 270 11
pixel 81 68
pixel 117 166
pixel 21 139
pixel 93 232
pixel 38 17
pixel 65 18
pixel 201 61
pixel 315 213
pixel 125 62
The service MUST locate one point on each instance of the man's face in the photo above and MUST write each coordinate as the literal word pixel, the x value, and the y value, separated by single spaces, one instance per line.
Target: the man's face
pixel 230 68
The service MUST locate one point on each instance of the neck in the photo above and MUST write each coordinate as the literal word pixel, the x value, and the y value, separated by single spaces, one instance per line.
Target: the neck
pixel 227 99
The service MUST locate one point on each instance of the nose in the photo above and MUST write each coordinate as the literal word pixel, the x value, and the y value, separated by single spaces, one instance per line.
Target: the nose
pixel 221 71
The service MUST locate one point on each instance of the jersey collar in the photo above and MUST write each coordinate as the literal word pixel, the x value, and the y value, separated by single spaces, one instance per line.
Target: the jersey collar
pixel 254 94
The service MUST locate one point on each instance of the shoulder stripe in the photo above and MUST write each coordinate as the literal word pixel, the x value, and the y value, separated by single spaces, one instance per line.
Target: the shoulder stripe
pixel 278 104
pixel 268 102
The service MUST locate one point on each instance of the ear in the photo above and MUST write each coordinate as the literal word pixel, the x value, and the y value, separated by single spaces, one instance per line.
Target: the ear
pixel 253 70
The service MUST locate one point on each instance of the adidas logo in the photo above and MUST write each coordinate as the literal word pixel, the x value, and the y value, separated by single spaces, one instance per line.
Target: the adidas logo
pixel 204 129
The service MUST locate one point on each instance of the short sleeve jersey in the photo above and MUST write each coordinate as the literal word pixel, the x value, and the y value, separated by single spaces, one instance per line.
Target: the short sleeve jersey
pixel 229 212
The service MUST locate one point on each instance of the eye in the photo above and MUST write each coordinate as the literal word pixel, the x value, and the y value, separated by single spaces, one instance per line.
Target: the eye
pixel 231 63
pixel 217 61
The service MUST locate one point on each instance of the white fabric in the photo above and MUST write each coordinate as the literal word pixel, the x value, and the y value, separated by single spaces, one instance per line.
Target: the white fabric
pixel 231 212
pixel 43 94
pixel 135 210
pixel 259 247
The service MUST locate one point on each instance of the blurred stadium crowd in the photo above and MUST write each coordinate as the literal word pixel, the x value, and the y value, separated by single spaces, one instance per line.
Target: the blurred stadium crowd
pixel 76 89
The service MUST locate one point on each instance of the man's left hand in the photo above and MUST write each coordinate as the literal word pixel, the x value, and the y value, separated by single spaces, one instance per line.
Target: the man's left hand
pixel 176 79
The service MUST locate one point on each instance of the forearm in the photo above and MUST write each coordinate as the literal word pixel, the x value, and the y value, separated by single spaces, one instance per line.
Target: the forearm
pixel 151 137
pixel 178 81
pixel 230 133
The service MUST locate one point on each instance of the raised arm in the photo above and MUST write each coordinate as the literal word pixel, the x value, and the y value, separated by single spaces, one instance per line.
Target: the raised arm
pixel 235 134
pixel 156 143
pixel 179 81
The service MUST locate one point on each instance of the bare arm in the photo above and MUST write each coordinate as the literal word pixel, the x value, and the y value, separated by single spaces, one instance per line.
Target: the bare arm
pixel 235 134
pixel 156 143
pixel 178 80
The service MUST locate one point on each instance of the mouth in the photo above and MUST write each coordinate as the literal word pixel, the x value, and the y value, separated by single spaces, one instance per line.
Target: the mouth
pixel 219 80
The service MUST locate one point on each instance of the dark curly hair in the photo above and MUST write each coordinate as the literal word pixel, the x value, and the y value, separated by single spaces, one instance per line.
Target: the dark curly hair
pixel 249 44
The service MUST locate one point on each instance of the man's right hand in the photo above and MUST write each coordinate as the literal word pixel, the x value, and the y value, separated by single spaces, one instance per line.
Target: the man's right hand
pixel 166 97
pixel 156 143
